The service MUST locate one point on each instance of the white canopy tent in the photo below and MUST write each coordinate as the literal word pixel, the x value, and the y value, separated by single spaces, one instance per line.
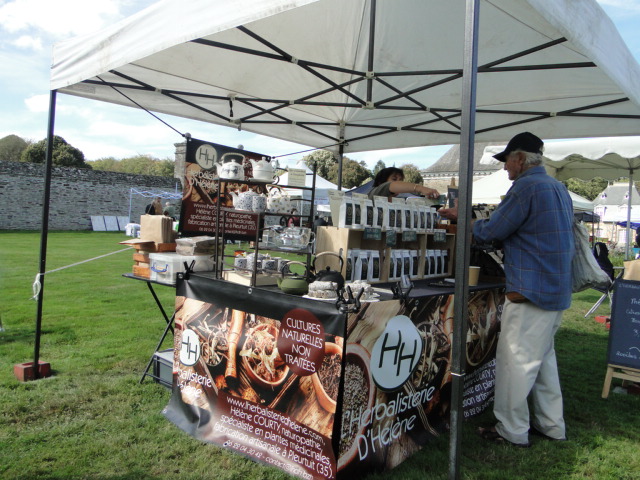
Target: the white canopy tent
pixel 490 188
pixel 608 157
pixel 365 75
pixel 382 77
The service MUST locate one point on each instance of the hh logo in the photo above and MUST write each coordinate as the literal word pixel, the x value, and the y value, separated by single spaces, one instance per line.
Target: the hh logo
pixel 396 353
pixel 189 348
pixel 206 156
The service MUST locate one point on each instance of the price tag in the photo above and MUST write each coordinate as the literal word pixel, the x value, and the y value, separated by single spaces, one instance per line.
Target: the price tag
pixel 297 177
pixel 439 237
pixel 371 233
pixel 391 238
pixel 409 236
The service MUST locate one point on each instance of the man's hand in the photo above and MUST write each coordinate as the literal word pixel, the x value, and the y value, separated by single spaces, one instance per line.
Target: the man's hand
pixel 450 213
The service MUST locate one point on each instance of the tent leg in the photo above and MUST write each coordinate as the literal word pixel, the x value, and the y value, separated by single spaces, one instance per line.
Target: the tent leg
pixel 627 254
pixel 45 231
pixel 463 236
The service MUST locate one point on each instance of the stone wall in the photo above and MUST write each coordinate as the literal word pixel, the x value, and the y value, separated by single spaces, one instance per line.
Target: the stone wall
pixel 76 195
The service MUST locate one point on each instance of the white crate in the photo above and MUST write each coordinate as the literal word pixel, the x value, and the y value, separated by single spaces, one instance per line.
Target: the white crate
pixel 165 266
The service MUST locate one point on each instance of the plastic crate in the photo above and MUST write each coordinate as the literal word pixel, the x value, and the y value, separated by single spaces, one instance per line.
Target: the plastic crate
pixel 165 266
pixel 163 367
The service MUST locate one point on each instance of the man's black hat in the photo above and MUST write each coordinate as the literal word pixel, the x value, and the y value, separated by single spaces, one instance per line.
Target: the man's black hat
pixel 525 141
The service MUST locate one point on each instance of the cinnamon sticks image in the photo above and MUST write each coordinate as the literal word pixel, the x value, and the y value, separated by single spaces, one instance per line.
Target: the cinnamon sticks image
pixel 235 332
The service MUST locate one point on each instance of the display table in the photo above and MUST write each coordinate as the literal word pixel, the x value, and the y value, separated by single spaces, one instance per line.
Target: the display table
pixel 345 393
pixel 167 319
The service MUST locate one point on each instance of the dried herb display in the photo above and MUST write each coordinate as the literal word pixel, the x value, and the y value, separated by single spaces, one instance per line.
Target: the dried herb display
pixel 356 392
pixel 262 354
pixel 329 373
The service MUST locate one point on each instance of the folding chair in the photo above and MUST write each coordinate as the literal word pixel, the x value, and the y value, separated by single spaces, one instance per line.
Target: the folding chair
pixel 601 252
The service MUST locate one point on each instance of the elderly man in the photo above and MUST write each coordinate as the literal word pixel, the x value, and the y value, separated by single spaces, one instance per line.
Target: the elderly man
pixel 534 224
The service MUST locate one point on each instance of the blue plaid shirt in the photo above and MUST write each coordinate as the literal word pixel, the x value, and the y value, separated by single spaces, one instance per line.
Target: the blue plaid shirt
pixel 534 224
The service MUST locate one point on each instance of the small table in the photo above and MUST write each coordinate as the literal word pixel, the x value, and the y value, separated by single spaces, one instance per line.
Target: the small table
pixel 168 320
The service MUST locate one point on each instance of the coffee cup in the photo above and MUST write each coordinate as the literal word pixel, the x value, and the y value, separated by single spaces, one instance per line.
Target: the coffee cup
pixel 474 273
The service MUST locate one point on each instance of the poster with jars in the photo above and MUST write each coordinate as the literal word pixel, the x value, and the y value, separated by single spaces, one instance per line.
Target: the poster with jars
pixel 320 394
pixel 219 176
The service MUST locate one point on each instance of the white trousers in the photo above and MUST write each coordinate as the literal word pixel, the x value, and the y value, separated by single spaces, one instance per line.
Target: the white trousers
pixel 526 364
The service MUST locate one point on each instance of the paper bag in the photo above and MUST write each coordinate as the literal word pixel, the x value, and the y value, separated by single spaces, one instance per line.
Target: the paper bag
pixel 631 270
pixel 156 228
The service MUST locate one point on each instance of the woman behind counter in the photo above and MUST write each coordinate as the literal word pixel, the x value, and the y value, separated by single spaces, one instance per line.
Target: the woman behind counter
pixel 389 182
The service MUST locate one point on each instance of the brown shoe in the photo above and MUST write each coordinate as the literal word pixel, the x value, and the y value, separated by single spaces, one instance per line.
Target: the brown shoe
pixel 490 434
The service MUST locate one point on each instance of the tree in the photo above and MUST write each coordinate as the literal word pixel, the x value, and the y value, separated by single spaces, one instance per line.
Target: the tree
pixel 587 189
pixel 138 165
pixel 11 147
pixel 324 161
pixel 63 155
pixel 412 174
pixel 353 173
pixel 377 167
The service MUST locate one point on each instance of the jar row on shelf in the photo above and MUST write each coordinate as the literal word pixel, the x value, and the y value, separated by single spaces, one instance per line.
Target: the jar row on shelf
pixel 410 215
pixel 392 264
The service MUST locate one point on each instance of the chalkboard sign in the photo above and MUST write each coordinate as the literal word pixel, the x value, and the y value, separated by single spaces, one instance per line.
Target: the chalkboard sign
pixel 624 334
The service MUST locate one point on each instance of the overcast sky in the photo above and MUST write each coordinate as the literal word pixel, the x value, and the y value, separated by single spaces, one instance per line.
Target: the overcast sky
pixel 29 28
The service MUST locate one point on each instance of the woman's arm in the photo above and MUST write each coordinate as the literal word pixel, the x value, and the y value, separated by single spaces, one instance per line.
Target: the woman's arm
pixel 406 187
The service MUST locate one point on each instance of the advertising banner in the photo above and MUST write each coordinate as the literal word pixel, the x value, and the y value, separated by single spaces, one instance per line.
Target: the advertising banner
pixel 203 194
pixel 293 383
pixel 397 376
pixel 258 374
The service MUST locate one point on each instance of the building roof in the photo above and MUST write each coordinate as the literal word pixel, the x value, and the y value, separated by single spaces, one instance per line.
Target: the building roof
pixel 617 194
pixel 448 164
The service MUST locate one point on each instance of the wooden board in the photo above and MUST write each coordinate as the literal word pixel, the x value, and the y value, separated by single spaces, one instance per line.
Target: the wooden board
pixel 240 279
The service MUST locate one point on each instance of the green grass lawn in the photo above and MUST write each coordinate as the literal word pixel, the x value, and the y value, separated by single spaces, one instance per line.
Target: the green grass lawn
pixel 93 420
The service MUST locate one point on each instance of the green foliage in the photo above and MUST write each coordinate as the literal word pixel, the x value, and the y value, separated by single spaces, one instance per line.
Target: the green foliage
pixel 138 165
pixel 64 155
pixel 324 161
pixel 11 147
pixel 412 174
pixel 354 174
pixel 377 167
pixel 587 189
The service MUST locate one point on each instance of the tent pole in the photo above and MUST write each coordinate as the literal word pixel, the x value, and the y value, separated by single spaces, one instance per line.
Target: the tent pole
pixel 340 155
pixel 463 236
pixel 130 202
pixel 626 255
pixel 45 230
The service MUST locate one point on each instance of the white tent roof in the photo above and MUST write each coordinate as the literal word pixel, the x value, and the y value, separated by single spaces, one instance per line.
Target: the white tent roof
pixel 490 188
pixel 312 72
pixel 609 157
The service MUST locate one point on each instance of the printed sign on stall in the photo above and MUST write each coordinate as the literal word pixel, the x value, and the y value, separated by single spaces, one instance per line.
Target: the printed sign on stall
pixel 203 194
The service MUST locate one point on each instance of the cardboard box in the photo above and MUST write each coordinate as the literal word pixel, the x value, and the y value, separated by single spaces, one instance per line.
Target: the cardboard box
pixel 163 367
pixel 165 266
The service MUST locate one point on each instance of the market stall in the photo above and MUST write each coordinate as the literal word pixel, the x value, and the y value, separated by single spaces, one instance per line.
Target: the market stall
pixel 367 87
pixel 320 391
